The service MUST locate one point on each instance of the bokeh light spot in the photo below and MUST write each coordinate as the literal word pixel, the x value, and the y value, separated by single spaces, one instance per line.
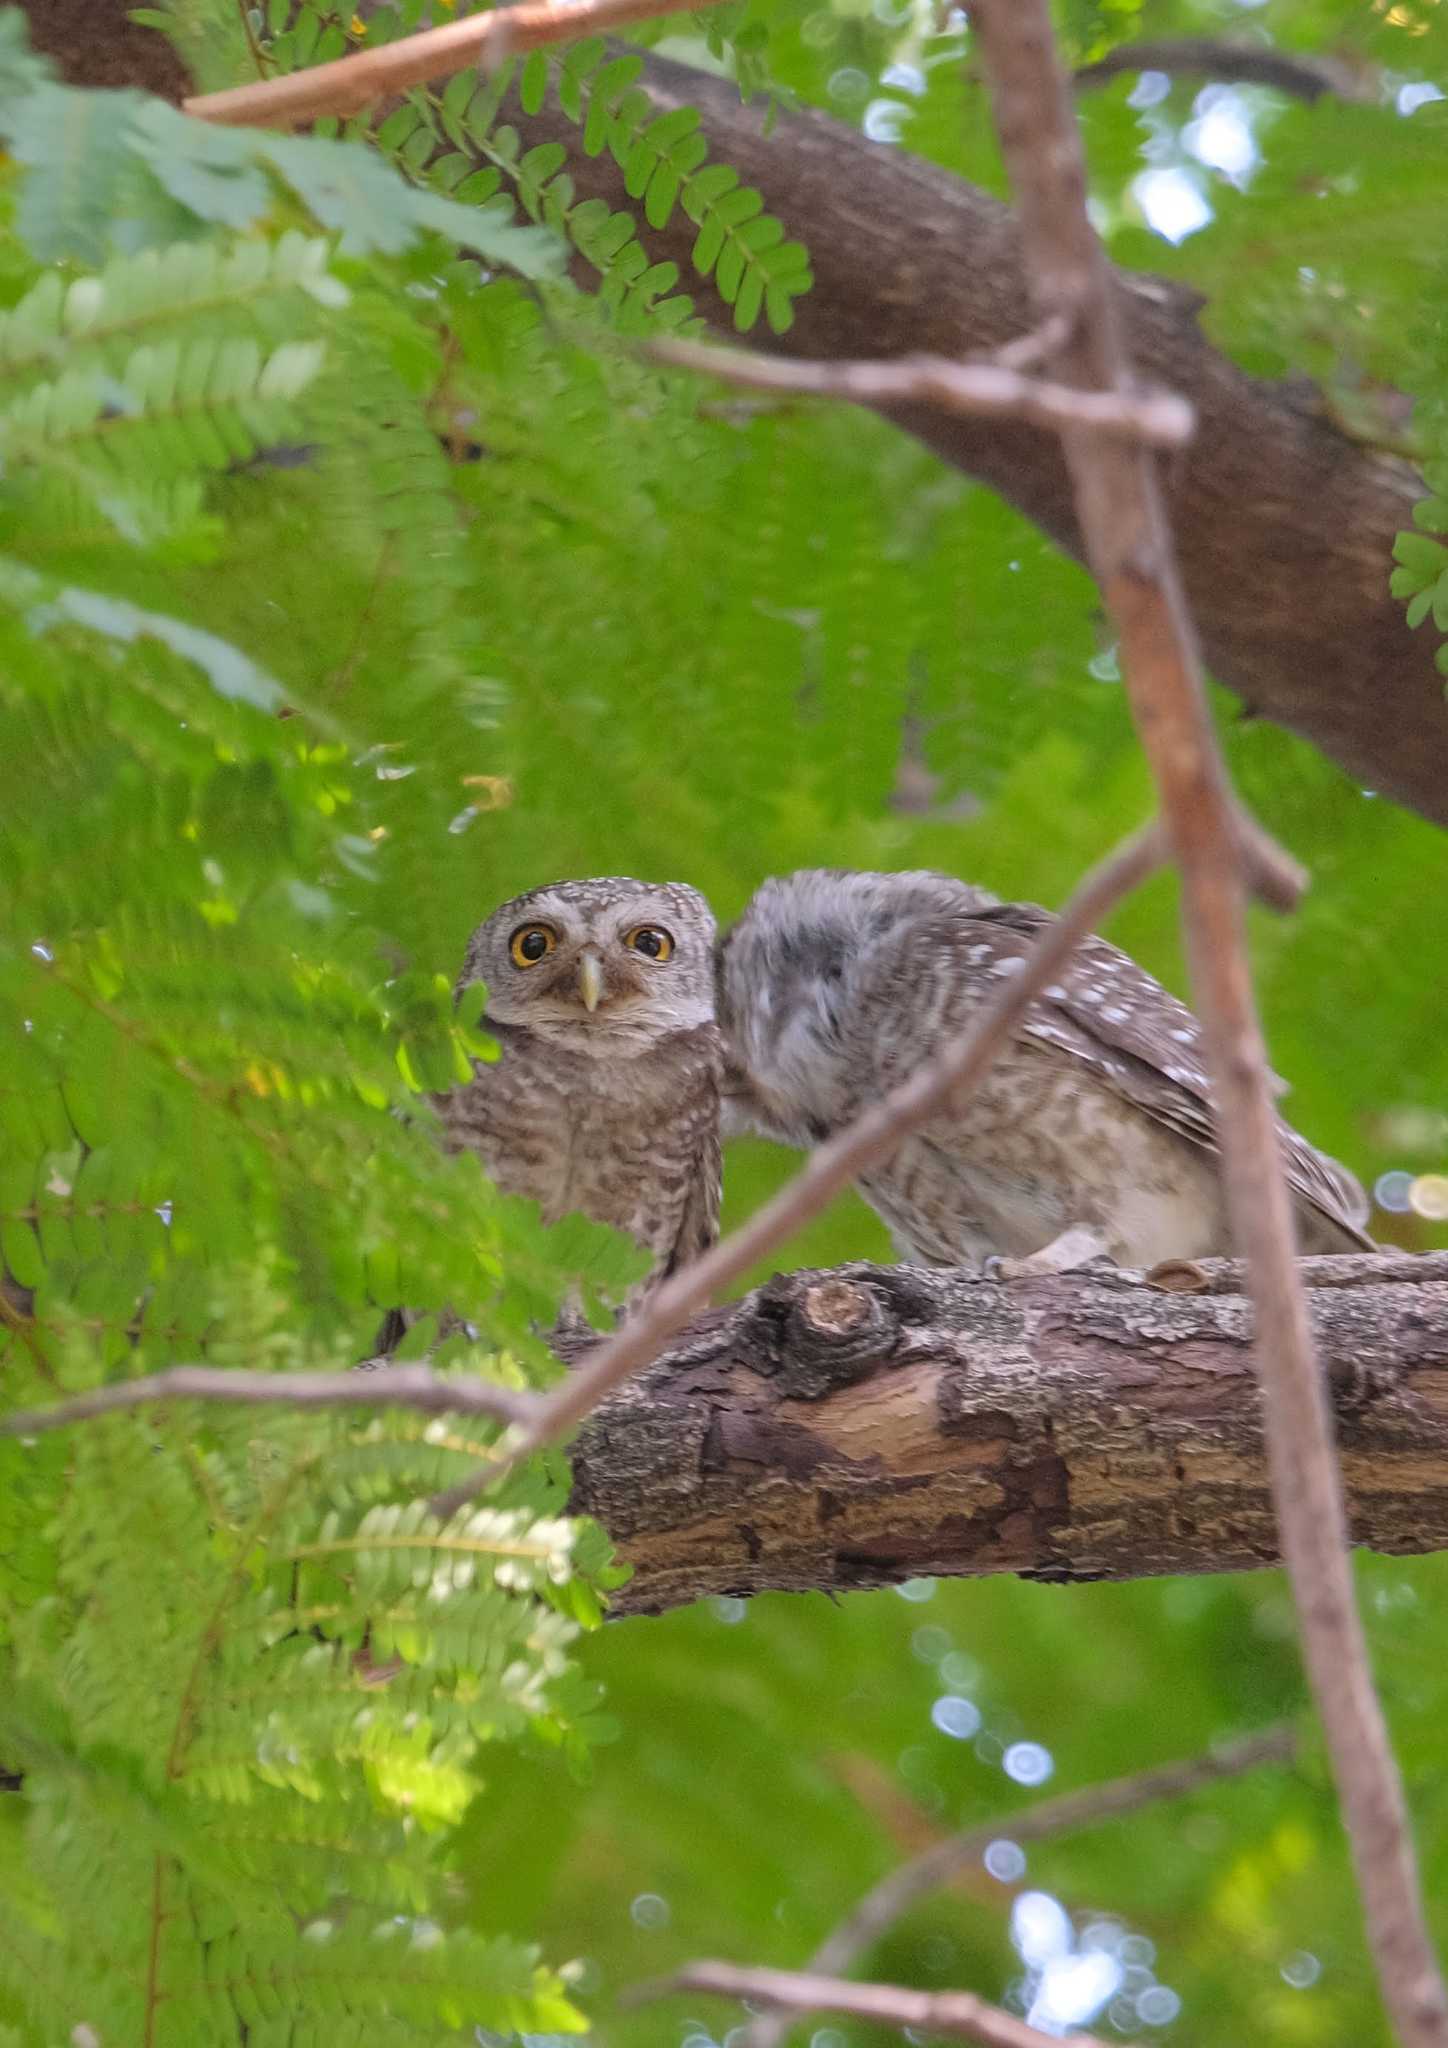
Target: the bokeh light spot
pixel 955 1716
pixel 1157 2006
pixel 1006 1861
pixel 916 1589
pixel 1028 1763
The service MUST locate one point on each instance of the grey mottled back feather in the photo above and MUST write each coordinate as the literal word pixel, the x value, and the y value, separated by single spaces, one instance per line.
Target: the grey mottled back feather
pixel 834 986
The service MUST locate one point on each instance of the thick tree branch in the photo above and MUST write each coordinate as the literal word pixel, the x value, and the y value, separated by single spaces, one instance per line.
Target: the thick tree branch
pixel 865 1426
pixel 1129 544
pixel 1284 526
pixel 95 43
pixel 873 1424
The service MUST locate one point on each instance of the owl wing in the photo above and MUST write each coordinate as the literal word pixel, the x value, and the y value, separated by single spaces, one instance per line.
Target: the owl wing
pixel 1147 1046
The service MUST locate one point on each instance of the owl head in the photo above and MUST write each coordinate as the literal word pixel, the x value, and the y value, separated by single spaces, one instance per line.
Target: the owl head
pixel 788 978
pixel 605 966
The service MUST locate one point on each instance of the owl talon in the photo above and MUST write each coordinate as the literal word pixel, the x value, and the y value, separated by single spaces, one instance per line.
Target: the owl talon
pixel 572 1333
pixel 1068 1253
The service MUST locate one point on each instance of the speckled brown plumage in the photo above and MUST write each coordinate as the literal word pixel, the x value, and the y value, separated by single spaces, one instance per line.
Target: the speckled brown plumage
pixel 834 986
pixel 611 1110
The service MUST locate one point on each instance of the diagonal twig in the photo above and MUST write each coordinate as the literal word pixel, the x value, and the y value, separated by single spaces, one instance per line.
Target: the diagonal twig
pixel 388 1386
pixel 1129 544
pixel 828 1171
pixel 957 2013
pixel 349 84
pixel 898 1890
pixel 1036 345
pixel 992 390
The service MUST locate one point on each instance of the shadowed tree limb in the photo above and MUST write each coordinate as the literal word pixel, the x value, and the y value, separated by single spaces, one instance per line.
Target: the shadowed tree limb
pixel 1231 63
pixel 1284 524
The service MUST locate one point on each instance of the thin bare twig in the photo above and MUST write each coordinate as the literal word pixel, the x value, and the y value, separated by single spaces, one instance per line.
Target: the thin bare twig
pixel 350 83
pixel 898 1891
pixel 991 390
pixel 1270 871
pixel 388 1386
pixel 831 1169
pixel 1129 545
pixel 958 2013
pixel 1230 63
pixel 1036 345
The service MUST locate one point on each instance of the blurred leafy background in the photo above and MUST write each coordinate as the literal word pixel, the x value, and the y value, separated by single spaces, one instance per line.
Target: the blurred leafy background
pixel 533 611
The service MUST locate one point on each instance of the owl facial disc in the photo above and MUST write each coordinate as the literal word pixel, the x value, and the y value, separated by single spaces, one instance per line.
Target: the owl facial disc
pixel 602 967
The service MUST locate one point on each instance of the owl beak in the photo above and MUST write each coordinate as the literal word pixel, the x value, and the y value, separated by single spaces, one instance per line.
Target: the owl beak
pixel 590 980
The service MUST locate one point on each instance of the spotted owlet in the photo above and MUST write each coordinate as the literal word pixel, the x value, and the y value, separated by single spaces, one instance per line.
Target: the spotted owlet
pixel 605 1096
pixel 1096 1116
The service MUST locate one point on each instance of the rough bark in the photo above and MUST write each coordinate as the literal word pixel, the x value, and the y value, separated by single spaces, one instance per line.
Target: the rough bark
pixel 1284 526
pixel 869 1425
pixel 94 42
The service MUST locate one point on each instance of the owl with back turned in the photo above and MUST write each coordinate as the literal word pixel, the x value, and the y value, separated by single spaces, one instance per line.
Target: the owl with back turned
pixel 1096 1117
pixel 605 1095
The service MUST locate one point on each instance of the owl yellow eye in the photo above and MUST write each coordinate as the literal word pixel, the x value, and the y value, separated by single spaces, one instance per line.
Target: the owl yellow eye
pixel 531 943
pixel 651 940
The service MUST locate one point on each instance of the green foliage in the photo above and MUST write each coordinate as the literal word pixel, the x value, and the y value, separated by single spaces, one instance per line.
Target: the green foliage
pixel 349 584
pixel 101 159
pixel 214 1120
pixel 456 140
pixel 1422 572
pixel 244 1826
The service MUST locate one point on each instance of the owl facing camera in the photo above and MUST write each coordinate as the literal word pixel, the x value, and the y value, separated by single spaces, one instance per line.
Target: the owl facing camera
pixel 605 1095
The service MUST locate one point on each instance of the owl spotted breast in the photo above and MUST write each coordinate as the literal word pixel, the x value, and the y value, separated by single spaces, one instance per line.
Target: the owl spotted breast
pixel 1097 1115
pixel 605 1097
